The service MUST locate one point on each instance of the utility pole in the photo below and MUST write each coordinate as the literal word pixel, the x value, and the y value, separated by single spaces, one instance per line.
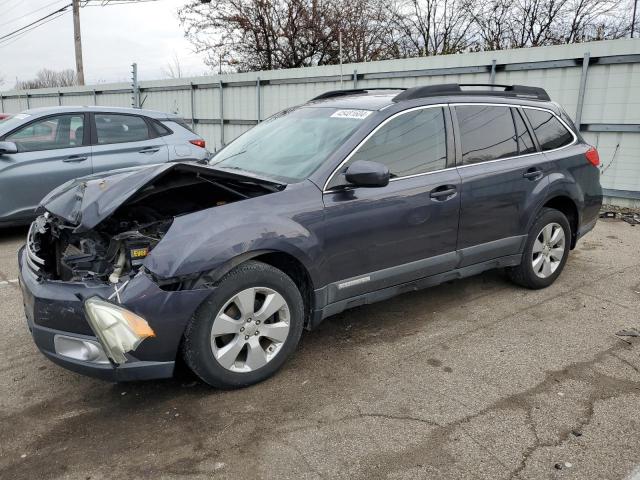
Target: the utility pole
pixel 340 55
pixel 78 41
pixel 633 20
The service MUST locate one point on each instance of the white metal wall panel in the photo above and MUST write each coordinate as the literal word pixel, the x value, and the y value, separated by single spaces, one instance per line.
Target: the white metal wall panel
pixel 37 102
pixel 612 94
pixel 168 101
pixel 620 158
pixel 73 100
pixel 114 99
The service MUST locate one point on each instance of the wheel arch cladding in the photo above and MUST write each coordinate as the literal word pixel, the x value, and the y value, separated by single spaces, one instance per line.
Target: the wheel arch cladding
pixel 287 263
pixel 569 208
pixel 296 270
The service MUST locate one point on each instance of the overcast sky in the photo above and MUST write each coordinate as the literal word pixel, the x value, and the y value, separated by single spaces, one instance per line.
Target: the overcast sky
pixel 113 37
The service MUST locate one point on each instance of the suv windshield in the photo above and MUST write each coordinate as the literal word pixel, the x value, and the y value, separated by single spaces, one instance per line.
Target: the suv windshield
pixel 291 145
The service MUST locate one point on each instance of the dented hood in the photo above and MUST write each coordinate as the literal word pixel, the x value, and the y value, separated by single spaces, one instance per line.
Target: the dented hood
pixel 85 202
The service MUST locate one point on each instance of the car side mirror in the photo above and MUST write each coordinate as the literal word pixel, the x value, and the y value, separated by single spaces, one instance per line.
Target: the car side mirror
pixel 362 173
pixel 7 148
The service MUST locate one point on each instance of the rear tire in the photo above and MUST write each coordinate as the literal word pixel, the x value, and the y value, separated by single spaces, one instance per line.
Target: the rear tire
pixel 246 329
pixel 545 252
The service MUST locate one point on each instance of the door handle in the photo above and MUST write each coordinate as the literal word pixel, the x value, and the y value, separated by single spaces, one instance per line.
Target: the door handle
pixel 75 158
pixel 533 174
pixel 443 192
pixel 149 150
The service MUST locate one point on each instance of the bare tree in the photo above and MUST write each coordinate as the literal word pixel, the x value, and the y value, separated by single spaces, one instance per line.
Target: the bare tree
pixel 46 78
pixel 435 27
pixel 263 34
pixel 173 68
pixel 492 24
pixel 530 23
pixel 367 31
pixel 248 35
pixel 587 20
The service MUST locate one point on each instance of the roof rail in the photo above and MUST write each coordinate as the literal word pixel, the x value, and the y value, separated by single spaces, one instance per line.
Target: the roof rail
pixel 352 91
pixel 520 91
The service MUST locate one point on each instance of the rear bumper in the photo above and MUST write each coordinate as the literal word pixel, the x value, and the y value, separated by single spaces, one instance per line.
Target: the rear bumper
pixel 54 308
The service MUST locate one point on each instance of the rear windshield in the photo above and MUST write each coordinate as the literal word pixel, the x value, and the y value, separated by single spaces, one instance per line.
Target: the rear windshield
pixel 291 145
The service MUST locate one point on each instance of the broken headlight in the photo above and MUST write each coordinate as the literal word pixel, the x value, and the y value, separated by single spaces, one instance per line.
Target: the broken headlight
pixel 119 330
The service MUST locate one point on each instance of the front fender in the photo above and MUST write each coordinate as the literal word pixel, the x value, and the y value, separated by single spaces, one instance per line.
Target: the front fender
pixel 214 239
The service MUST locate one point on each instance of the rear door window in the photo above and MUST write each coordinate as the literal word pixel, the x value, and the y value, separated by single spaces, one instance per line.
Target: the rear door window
pixel 525 142
pixel 117 128
pixel 551 133
pixel 487 133
pixel 50 133
pixel 409 144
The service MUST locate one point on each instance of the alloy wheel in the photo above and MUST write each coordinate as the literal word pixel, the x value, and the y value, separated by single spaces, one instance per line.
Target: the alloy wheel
pixel 549 249
pixel 250 329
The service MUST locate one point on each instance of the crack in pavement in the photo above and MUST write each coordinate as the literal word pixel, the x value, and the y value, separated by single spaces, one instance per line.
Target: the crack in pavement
pixel 575 371
pixel 522 401
pixel 515 401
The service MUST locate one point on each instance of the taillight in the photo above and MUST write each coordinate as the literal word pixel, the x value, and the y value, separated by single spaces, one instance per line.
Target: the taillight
pixel 592 156
pixel 198 143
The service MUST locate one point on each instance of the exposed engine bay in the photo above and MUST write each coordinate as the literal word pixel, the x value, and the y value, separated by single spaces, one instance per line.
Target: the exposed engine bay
pixel 117 247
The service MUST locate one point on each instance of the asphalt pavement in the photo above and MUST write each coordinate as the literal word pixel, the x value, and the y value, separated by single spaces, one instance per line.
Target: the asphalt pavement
pixel 472 379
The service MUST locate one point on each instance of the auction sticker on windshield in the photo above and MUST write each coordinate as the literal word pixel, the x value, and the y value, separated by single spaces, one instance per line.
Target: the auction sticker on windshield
pixel 357 114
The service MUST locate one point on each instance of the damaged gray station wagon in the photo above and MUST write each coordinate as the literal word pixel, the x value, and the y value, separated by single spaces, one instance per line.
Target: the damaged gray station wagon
pixel 352 198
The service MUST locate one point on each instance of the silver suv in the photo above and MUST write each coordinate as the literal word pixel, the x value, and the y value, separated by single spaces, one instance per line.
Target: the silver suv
pixel 42 148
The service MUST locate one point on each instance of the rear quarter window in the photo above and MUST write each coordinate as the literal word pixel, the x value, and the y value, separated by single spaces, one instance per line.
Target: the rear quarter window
pixel 550 131
pixel 182 123
pixel 161 129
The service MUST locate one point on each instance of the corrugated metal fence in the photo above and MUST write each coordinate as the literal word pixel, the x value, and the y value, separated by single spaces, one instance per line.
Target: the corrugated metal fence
pixel 598 83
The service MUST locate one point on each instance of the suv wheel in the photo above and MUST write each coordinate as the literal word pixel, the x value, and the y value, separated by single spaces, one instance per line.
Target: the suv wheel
pixel 545 252
pixel 244 332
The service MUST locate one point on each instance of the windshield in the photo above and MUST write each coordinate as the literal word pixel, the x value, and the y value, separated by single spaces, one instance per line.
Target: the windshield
pixel 291 145
pixel 14 121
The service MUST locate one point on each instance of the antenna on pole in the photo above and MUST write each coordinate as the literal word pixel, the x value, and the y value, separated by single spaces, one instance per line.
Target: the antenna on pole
pixel 135 88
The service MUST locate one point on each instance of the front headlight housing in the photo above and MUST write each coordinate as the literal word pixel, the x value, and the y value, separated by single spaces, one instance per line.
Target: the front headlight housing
pixel 119 330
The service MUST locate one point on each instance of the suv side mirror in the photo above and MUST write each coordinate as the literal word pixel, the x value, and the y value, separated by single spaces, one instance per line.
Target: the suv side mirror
pixel 8 147
pixel 362 173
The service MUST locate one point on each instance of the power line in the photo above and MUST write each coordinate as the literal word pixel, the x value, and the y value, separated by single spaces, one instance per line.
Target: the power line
pixel 16 37
pixel 35 22
pixel 62 9
pixel 12 8
pixel 30 13
pixel 107 3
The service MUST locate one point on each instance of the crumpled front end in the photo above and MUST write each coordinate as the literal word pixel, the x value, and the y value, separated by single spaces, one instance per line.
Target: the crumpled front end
pixel 90 303
pixel 57 317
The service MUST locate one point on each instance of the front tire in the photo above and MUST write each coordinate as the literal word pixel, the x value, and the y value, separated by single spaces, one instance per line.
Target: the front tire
pixel 247 328
pixel 545 252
